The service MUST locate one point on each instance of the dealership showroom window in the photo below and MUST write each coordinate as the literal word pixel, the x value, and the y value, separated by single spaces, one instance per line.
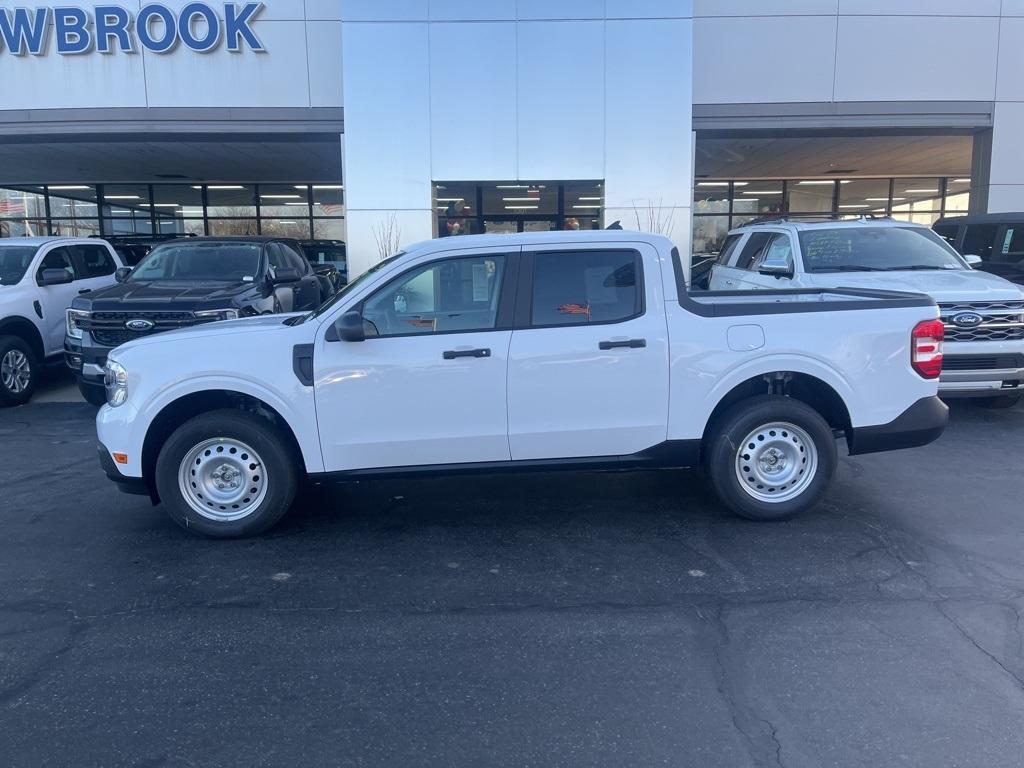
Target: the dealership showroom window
pixel 420 611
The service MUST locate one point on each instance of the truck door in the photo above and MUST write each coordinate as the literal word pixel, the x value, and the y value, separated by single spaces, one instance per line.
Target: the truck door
pixel 55 299
pixel 588 364
pixel 427 386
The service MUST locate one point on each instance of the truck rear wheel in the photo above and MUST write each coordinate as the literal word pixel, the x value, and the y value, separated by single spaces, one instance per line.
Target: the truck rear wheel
pixel 18 371
pixel 771 457
pixel 226 474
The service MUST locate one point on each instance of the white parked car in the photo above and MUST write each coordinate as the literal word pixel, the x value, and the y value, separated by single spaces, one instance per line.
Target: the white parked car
pixel 983 313
pixel 539 351
pixel 39 277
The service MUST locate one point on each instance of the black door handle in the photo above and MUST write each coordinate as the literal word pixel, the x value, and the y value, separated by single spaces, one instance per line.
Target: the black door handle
pixel 628 344
pixel 451 354
pixel 84 291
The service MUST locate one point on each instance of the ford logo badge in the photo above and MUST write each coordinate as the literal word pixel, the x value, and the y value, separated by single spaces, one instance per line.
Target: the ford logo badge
pixel 967 319
pixel 140 325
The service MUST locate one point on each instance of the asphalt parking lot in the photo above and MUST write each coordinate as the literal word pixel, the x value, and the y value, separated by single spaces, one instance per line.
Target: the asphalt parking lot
pixel 543 620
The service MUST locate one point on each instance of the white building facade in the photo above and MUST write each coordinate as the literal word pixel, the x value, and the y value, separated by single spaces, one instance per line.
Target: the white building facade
pixel 438 117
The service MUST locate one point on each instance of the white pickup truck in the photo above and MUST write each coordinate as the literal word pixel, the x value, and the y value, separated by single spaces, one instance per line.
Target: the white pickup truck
pixel 39 278
pixel 539 351
pixel 983 313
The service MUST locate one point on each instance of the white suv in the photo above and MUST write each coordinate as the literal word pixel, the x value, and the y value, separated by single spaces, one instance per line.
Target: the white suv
pixel 983 313
pixel 39 277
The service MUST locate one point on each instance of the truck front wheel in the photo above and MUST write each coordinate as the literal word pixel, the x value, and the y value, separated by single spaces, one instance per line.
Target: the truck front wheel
pixel 226 474
pixel 18 370
pixel 771 457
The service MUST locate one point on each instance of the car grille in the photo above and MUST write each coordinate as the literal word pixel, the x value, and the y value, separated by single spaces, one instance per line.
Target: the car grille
pixel 982 362
pixel 108 328
pixel 1003 321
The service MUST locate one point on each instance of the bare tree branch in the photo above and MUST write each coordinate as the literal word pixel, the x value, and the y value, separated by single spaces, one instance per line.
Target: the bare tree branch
pixel 656 219
pixel 388 236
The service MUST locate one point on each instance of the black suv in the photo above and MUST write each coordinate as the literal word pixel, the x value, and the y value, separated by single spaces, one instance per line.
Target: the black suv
pixel 324 253
pixel 187 282
pixel 995 238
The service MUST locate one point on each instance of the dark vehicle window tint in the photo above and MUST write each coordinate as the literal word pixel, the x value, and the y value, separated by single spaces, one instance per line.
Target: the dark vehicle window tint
pixel 59 258
pixel 978 240
pixel 224 262
pixel 947 232
pixel 753 249
pixel 580 287
pixel 280 255
pixel 875 248
pixel 326 254
pixel 727 248
pixel 450 295
pixel 96 260
pixel 1011 245
pixel 14 262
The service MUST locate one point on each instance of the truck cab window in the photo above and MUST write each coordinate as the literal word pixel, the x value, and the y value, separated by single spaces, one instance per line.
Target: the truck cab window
pixel 581 287
pixel 58 258
pixel 752 250
pixel 445 296
pixel 978 240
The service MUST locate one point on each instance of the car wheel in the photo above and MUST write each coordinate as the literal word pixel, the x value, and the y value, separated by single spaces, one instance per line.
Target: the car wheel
pixel 93 394
pixel 999 401
pixel 226 474
pixel 771 457
pixel 18 371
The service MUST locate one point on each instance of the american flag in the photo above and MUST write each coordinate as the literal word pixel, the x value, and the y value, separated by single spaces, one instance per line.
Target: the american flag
pixel 575 309
pixel 9 206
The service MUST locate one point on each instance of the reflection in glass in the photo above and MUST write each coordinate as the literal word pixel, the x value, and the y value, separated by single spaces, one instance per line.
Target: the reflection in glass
pixel 810 196
pixel 231 200
pixel 758 197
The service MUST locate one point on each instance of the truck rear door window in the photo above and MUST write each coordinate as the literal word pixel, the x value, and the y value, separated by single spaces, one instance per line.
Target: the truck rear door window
pixel 978 240
pixel 582 287
pixel 753 249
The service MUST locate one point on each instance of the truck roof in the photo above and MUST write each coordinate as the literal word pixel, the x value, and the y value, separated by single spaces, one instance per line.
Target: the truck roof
pixel 539 238
pixel 42 240
pixel 804 225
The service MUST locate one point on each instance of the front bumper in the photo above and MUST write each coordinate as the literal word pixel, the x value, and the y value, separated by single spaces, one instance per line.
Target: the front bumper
pixel 86 359
pixel 981 369
pixel 134 485
pixel 920 424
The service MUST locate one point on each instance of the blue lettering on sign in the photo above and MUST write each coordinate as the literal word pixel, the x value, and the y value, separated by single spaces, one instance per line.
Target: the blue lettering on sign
pixel 71 28
pixel 201 44
pixel 237 26
pixel 25 33
pixel 157 28
pixel 112 21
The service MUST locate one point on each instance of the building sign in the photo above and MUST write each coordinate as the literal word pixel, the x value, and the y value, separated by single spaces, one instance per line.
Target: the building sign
pixel 111 28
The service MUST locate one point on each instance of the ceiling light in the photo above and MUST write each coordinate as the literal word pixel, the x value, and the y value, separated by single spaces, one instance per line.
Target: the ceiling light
pixel 521 207
pixel 303 205
pixel 712 183
pixel 854 206
pixel 165 205
pixel 121 197
pixel 762 192
pixel 512 186
pixel 450 199
pixel 287 222
pixel 222 186
pixel 923 191
pixel 818 183
pixel 323 186
pixel 281 197
pixel 955 181
pixel 521 199
pixel 586 206
pixel 590 198
pixel 71 187
pixel 882 199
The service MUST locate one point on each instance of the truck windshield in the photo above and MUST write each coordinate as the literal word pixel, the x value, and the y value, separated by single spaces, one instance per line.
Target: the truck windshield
pixel 223 262
pixel 14 261
pixel 871 249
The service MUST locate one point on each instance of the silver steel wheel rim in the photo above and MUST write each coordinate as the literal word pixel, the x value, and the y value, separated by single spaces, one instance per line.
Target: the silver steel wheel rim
pixel 776 462
pixel 15 371
pixel 222 479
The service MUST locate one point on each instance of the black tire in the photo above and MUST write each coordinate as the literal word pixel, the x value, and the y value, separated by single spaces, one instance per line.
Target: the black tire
pixel 999 402
pixel 280 468
pixel 12 391
pixel 726 440
pixel 92 393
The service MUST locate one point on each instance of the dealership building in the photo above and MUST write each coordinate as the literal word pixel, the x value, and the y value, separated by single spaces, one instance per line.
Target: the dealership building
pixel 384 122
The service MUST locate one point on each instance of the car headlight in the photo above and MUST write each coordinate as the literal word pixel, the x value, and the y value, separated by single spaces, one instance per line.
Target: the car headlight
pixel 74 317
pixel 217 314
pixel 115 380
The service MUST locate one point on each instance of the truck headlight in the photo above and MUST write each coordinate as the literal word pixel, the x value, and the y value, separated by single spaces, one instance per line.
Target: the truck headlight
pixel 74 317
pixel 115 380
pixel 217 314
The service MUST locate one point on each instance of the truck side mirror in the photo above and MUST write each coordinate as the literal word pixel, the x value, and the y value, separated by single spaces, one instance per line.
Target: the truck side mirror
pixel 122 274
pixel 349 327
pixel 777 267
pixel 286 275
pixel 55 277
pixel 972 260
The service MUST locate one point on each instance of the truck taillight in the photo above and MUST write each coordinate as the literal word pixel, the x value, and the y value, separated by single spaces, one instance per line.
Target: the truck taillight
pixel 926 348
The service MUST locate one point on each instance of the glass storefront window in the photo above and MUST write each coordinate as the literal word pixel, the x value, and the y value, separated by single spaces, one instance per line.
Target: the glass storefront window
pixel 231 200
pixel 73 201
pixel 810 195
pixel 23 227
pixel 127 209
pixel 22 203
pixel 958 195
pixel 520 199
pixel 708 234
pixel 712 197
pixel 863 196
pixel 297 228
pixel 328 229
pixel 233 227
pixel 763 198
pixel 75 227
pixel 328 199
pixel 914 195
pixel 517 206
pixel 285 201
